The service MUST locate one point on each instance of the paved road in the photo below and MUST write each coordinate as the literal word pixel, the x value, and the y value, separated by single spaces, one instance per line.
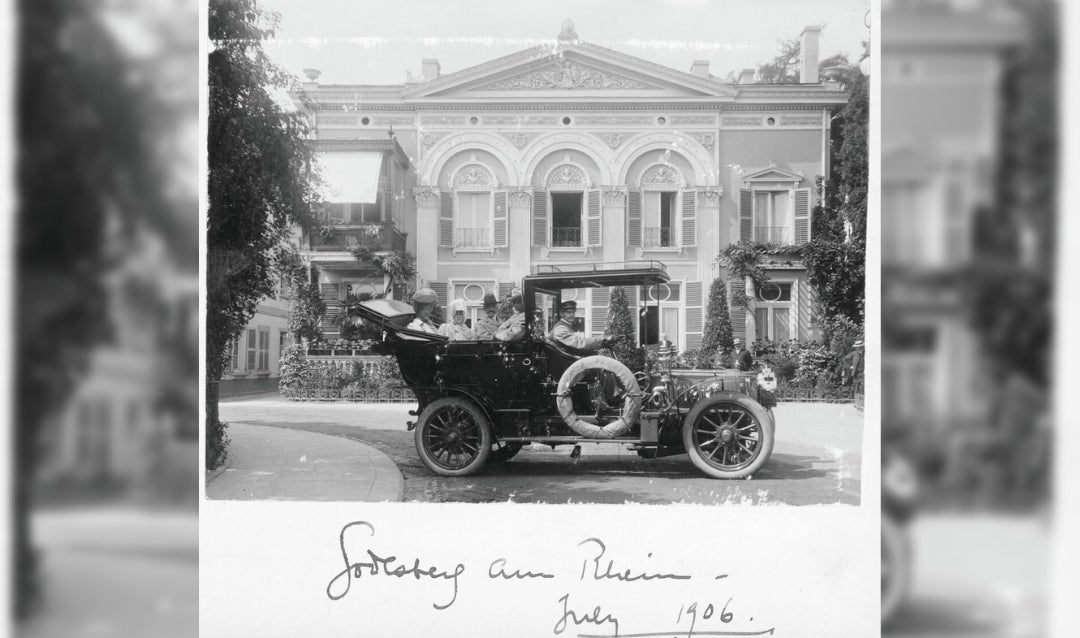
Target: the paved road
pixel 817 459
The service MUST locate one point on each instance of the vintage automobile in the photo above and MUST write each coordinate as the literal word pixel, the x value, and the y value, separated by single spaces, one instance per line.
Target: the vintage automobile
pixel 483 401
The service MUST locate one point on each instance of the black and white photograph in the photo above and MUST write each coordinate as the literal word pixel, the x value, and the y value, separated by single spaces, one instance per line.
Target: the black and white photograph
pixel 565 266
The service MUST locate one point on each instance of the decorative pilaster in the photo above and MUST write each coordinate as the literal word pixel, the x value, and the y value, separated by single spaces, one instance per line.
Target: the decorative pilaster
pixel 613 201
pixel 519 201
pixel 712 229
pixel 427 232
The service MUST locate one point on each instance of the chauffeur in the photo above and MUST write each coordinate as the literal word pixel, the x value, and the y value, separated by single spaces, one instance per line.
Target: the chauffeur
pixel 563 331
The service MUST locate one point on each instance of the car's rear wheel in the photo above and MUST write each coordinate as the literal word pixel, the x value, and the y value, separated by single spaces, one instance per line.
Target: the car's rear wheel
pixel 453 437
pixel 728 437
pixel 502 452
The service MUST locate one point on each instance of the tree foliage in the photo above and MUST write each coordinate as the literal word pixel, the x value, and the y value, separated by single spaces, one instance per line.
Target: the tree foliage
pixel 259 183
pixel 784 67
pixel 621 323
pixel 718 331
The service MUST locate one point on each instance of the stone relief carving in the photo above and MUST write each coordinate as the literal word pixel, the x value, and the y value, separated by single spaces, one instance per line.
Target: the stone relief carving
pixel 801 120
pixel 426 196
pixel 623 120
pixel 614 140
pixel 661 175
pixel 614 197
pixel 707 139
pixel 742 121
pixel 710 196
pixel 520 196
pixel 692 119
pixel 429 139
pixel 337 119
pixel 473 175
pixel 564 74
pixel 520 139
pixel 394 120
pixel 567 176
pixel 444 120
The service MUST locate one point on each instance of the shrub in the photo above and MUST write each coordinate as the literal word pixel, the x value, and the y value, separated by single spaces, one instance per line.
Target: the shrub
pixel 295 370
pixel 717 318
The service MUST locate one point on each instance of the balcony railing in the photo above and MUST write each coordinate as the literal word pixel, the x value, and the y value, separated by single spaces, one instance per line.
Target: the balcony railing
pixel 657 238
pixel 772 234
pixel 383 236
pixel 472 238
pixel 566 236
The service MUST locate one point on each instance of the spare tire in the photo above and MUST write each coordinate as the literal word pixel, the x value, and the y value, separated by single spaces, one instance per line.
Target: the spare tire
pixel 631 407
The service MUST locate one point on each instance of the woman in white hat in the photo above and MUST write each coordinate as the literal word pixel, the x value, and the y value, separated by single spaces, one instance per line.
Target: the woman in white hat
pixel 456 328
pixel 424 301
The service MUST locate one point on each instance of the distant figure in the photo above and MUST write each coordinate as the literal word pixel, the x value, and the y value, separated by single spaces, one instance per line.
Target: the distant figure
pixel 853 363
pixel 487 326
pixel 744 361
pixel 722 358
pixel 563 331
pixel 456 328
pixel 513 329
pixel 424 301
pixel 664 351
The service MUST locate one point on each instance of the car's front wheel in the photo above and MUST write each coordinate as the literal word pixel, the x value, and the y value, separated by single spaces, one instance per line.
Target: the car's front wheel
pixel 453 437
pixel 728 437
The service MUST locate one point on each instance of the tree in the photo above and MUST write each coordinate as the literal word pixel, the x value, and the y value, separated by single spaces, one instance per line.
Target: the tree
pixel 621 323
pixel 835 258
pixel 259 183
pixel 784 68
pixel 718 331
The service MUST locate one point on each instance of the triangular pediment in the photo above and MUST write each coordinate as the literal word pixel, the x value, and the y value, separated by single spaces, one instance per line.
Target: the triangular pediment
pixel 570 71
pixel 771 174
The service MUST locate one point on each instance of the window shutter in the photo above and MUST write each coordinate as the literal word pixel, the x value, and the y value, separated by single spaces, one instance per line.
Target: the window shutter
pixel 689 219
pixel 593 220
pixel 802 215
pixel 694 319
pixel 540 218
pixel 600 299
pixel 446 219
pixel 500 220
pixel 251 336
pixel 505 290
pixel 633 218
pixel 746 215
pixel 330 291
pixel 736 310
pixel 440 291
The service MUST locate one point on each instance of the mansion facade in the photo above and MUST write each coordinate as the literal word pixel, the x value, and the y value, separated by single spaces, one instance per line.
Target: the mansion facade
pixel 574 153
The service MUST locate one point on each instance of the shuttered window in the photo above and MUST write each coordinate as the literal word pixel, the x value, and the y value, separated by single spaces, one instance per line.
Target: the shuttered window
pixel 500 223
pixel 802 215
pixel 446 219
pixel 600 299
pixel 540 218
pixel 264 349
pixel 694 314
pixel 746 215
pixel 593 222
pixel 252 348
pixel 633 218
pixel 688 233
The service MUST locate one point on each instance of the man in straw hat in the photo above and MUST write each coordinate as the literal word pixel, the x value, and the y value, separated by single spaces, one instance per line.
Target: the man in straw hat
pixel 743 359
pixel 487 326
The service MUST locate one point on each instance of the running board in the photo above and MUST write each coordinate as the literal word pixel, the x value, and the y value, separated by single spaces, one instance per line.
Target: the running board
pixel 569 439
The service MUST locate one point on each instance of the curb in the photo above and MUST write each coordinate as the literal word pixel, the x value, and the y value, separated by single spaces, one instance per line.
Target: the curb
pixel 213 474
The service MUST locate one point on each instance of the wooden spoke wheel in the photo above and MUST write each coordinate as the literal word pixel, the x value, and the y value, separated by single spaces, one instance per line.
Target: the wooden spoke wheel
pixel 728 436
pixel 453 437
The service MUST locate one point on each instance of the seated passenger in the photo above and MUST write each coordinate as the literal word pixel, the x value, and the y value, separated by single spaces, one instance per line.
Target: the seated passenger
pixel 563 332
pixel 513 329
pixel 424 301
pixel 456 328
pixel 487 326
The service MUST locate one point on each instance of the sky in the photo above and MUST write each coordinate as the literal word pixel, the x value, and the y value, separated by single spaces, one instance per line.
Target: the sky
pixel 363 42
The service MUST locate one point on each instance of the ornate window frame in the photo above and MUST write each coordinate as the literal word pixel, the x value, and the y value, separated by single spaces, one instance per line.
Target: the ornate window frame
pixel 664 177
pixel 554 184
pixel 474 176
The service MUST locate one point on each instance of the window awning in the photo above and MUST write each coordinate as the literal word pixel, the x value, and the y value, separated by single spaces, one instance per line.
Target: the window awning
pixel 351 177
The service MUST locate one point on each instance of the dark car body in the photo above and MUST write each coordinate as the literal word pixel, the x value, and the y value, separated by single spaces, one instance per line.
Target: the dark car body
pixel 513 385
